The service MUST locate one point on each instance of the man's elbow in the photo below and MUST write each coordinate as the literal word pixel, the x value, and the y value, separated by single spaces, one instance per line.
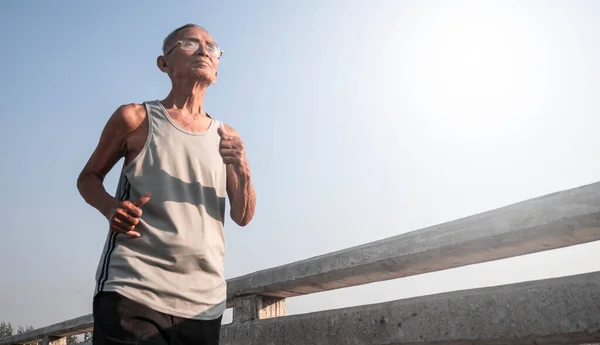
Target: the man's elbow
pixel 242 214
pixel 85 177
pixel 80 181
pixel 241 221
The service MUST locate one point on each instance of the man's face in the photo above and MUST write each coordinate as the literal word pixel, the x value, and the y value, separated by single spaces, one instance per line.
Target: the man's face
pixel 193 54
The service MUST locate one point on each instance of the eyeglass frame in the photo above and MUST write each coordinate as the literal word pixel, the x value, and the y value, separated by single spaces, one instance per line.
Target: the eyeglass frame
pixel 195 41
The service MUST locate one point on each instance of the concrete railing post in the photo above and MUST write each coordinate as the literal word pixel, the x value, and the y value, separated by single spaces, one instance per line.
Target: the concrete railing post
pixel 50 340
pixel 255 307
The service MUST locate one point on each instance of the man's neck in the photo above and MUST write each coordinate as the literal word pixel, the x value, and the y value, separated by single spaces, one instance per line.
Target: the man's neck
pixel 186 98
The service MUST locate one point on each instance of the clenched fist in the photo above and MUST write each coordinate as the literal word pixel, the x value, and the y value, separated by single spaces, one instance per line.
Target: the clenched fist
pixel 125 215
pixel 231 147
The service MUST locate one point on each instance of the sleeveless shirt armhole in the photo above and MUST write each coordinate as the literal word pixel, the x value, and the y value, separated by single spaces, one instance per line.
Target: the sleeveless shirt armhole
pixel 142 152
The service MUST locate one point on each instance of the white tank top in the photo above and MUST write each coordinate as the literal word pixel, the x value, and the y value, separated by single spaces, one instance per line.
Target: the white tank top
pixel 177 265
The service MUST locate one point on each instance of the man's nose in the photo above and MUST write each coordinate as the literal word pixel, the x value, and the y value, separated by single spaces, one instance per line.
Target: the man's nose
pixel 202 51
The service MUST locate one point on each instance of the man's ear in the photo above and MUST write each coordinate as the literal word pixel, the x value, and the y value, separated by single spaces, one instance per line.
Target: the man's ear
pixel 161 62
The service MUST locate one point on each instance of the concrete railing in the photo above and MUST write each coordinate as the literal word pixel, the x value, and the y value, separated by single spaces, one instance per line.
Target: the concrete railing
pixel 563 310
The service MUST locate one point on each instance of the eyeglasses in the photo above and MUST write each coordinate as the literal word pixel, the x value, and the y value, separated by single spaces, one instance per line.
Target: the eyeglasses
pixel 192 44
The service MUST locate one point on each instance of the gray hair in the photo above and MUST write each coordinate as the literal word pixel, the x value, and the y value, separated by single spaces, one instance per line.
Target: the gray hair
pixel 171 37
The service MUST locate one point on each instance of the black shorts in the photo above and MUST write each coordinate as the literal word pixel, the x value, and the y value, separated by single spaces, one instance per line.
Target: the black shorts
pixel 119 321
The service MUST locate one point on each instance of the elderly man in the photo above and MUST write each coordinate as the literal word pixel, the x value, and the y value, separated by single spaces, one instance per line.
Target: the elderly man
pixel 160 278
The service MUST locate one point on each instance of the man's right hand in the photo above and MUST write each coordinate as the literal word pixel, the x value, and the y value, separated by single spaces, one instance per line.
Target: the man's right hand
pixel 125 215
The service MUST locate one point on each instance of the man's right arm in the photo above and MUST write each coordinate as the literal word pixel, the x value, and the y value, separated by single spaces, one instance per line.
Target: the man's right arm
pixel 111 147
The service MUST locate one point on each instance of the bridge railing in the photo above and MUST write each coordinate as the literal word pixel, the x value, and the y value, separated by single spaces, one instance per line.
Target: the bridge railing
pixel 562 310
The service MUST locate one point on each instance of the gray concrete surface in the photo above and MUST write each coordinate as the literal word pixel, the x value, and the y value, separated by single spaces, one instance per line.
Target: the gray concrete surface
pixel 553 221
pixel 564 310
pixel 62 329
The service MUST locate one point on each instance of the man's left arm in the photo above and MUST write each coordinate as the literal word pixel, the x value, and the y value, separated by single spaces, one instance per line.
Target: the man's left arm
pixel 240 189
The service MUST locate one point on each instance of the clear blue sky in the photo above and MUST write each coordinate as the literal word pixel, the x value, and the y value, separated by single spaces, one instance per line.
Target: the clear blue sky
pixel 362 120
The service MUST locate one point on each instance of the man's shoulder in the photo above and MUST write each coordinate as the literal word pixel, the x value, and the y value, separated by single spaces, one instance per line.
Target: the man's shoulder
pixel 131 110
pixel 130 115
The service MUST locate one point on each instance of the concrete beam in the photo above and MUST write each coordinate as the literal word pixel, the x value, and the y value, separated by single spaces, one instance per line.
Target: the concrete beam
pixel 54 332
pixel 553 221
pixel 563 310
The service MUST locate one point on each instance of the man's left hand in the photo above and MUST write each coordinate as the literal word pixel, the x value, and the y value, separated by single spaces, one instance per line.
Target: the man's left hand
pixel 231 147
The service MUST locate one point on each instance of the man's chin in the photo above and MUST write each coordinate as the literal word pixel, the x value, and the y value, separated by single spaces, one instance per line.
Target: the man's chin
pixel 201 76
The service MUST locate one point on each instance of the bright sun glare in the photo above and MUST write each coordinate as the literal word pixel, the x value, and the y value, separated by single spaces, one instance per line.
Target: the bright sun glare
pixel 479 66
